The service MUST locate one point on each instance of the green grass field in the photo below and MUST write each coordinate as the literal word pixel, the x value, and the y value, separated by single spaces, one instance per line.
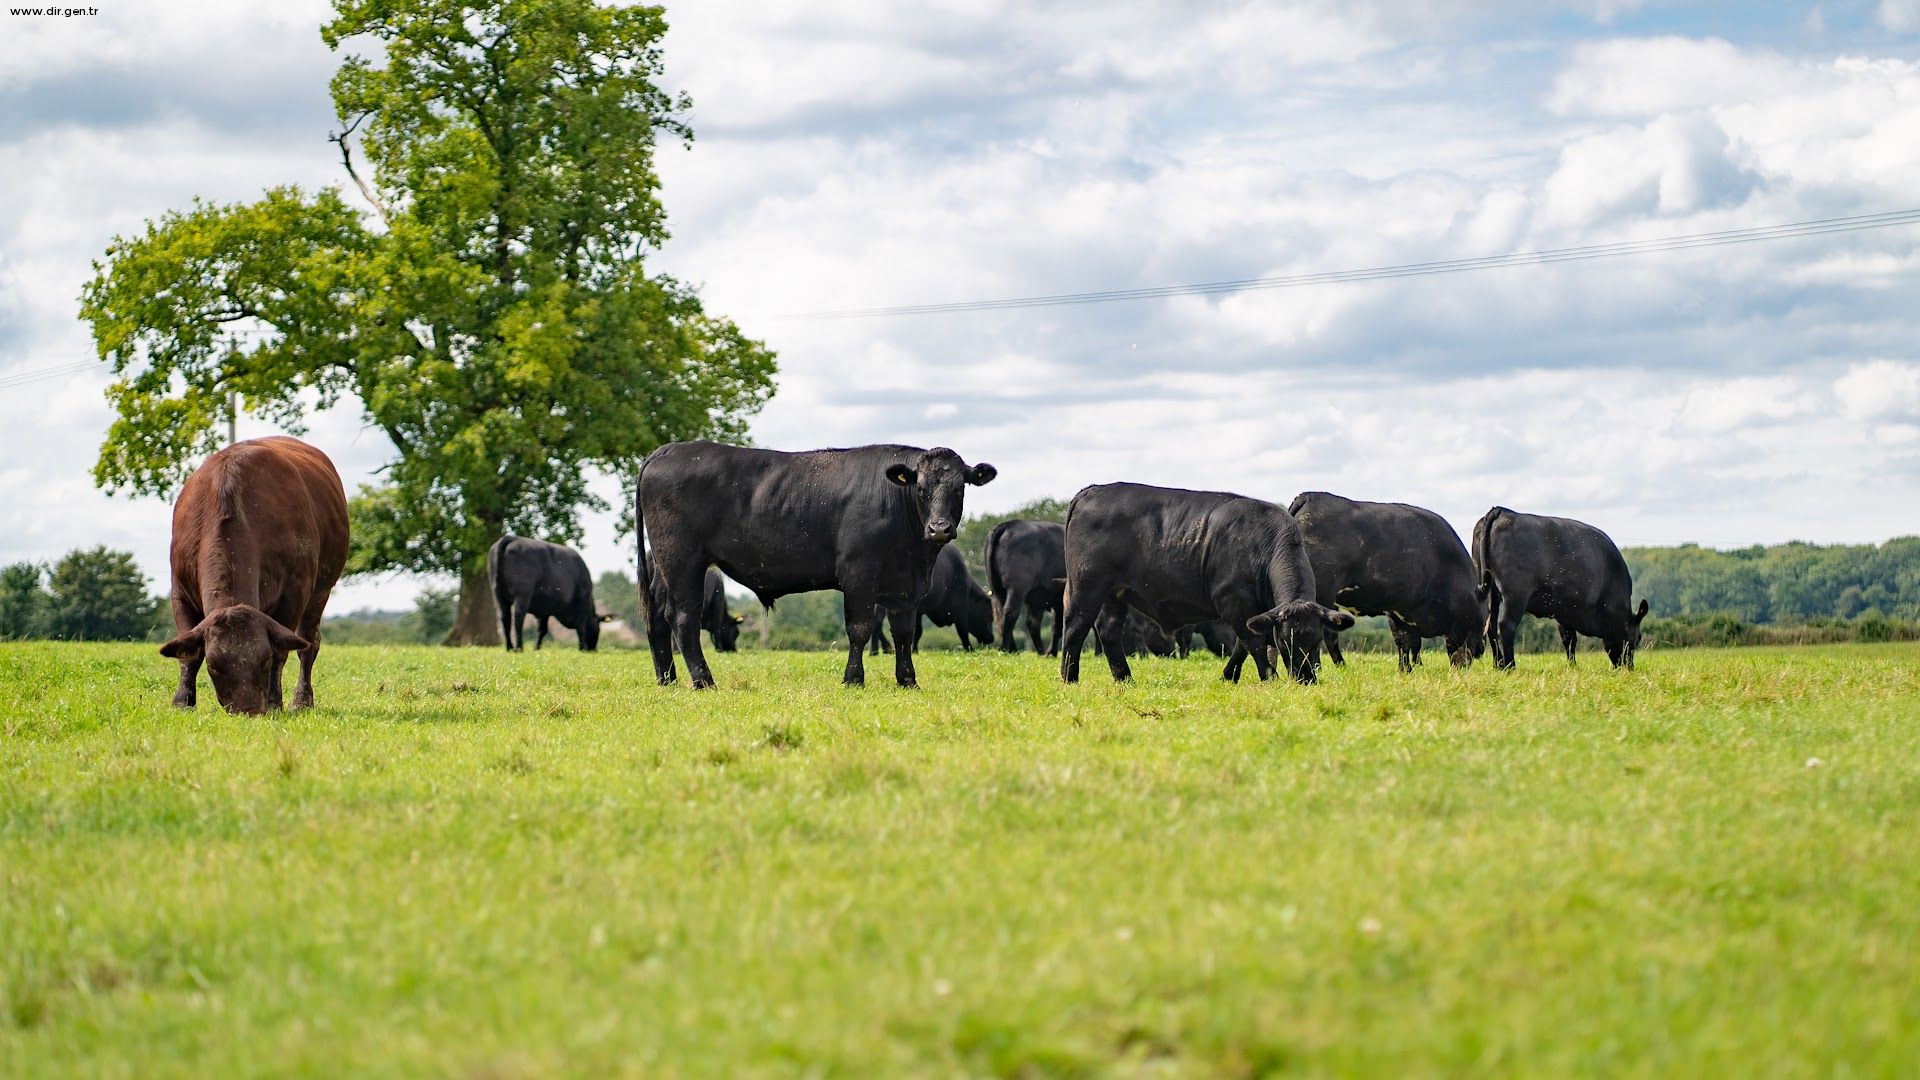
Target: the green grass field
pixel 470 863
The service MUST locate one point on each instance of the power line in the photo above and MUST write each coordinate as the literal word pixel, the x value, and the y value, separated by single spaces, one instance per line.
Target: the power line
pixel 22 378
pixel 1722 238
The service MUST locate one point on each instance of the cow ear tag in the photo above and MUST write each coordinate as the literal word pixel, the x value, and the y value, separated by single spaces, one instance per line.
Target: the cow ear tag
pixel 901 475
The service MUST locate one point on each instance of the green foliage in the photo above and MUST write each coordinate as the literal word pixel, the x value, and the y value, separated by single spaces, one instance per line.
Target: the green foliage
pixel 495 320
pixel 473 863
pixel 616 592
pixel 427 624
pixel 972 537
pixel 94 594
pixel 1785 583
pixel 23 602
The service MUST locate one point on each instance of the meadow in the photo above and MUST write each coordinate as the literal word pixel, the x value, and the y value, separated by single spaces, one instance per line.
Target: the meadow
pixel 476 864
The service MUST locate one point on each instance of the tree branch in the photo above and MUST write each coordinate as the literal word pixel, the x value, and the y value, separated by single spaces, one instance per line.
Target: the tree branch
pixel 346 158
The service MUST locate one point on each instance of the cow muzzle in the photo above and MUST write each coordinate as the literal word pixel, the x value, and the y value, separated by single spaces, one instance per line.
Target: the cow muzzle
pixel 939 531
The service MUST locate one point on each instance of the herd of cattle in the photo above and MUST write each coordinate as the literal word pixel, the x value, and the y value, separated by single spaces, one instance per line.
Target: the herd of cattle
pixel 260 537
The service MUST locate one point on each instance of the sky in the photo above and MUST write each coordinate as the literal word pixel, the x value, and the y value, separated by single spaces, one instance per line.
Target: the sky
pixel 865 153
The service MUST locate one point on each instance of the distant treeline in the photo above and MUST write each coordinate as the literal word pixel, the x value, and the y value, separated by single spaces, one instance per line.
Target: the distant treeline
pixel 1785 594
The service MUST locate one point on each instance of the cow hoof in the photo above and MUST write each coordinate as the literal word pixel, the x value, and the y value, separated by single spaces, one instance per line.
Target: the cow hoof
pixel 302 701
pixel 853 682
pixel 183 701
pixel 703 684
pixel 908 684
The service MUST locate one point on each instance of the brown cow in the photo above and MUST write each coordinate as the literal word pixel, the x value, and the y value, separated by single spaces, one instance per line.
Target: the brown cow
pixel 259 538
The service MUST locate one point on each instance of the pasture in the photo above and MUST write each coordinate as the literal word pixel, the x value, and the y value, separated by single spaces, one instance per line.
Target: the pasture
pixel 470 863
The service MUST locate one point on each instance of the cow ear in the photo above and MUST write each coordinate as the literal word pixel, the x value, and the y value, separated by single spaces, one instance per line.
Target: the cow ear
pixel 1642 612
pixel 1336 618
pixel 982 473
pixel 738 619
pixel 901 474
pixel 1261 623
pixel 284 639
pixel 186 646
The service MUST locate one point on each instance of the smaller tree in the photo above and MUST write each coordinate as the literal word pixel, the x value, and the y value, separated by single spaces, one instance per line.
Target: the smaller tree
pixel 617 594
pixel 23 602
pixel 98 594
pixel 432 615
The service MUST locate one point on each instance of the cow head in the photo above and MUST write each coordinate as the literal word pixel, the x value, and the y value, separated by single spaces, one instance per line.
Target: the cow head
pixel 938 480
pixel 1622 653
pixel 1295 631
pixel 240 645
pixel 726 636
pixel 589 630
pixel 1466 641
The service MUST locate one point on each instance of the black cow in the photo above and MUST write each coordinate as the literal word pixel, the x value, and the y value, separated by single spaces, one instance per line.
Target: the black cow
pixel 1179 557
pixel 953 599
pixel 1026 572
pixel 1559 569
pixel 1395 560
pixel 547 581
pixel 1215 636
pixel 1139 636
pixel 868 521
pixel 722 625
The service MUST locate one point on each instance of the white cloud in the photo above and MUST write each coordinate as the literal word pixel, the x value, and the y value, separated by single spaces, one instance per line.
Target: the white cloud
pixel 1899 16
pixel 859 154
pixel 1880 390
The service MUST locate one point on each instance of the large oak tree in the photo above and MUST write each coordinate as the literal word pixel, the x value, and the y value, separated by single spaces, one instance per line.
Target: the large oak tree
pixel 487 306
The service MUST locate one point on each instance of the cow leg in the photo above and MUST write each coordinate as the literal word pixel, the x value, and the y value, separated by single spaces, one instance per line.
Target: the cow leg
pixel 186 695
pixel 1053 646
pixel 1503 637
pixel 1236 660
pixel 860 626
pixel 1333 649
pixel 308 627
pixel 1570 642
pixel 1406 645
pixel 1083 607
pixel 880 643
pixel 1112 628
pixel 906 639
pixel 660 632
pixel 520 623
pixel 1006 616
pixel 1034 611
pixel 1247 643
pixel 276 698
pixel 540 632
pixel 504 604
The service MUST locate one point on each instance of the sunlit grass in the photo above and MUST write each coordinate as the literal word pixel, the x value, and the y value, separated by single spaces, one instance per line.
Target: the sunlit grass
pixel 474 863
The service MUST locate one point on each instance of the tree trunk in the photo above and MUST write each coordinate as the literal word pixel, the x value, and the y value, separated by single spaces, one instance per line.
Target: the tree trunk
pixel 475 622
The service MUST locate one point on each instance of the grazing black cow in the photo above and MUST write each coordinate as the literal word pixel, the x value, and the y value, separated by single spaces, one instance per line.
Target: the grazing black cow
pixel 547 581
pixel 1139 636
pixel 1180 557
pixel 1559 569
pixel 1395 560
pixel 953 599
pixel 868 521
pixel 719 623
pixel 1026 571
pixel 1215 636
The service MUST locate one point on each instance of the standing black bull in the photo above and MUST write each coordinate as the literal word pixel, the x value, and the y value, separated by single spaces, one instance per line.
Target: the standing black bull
pixel 722 625
pixel 1395 560
pixel 953 599
pixel 868 521
pixel 1179 557
pixel 547 581
pixel 1559 569
pixel 1026 570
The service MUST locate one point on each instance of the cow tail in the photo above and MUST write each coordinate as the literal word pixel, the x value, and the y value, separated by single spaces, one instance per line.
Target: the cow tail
pixel 645 566
pixel 995 586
